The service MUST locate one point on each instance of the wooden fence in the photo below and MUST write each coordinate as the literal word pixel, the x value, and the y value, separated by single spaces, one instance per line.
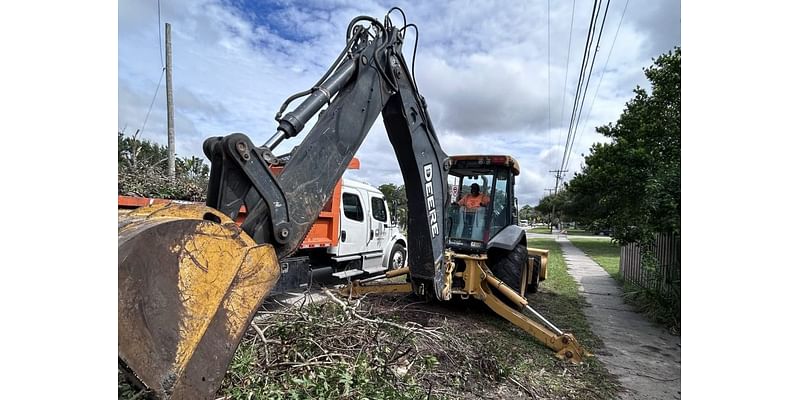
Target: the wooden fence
pixel 667 274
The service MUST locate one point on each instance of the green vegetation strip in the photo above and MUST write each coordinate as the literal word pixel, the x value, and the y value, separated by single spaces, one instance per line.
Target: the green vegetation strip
pixel 540 230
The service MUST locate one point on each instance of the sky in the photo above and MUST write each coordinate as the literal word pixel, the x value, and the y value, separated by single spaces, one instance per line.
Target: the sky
pixel 499 77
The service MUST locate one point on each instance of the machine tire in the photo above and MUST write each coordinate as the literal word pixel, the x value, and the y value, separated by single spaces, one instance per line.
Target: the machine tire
pixel 508 265
pixel 533 287
pixel 399 252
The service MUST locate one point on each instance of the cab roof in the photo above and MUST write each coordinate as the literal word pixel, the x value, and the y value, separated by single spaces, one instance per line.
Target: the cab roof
pixel 489 160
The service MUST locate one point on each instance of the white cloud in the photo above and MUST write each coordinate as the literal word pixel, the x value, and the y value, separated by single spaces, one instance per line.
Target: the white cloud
pixel 482 67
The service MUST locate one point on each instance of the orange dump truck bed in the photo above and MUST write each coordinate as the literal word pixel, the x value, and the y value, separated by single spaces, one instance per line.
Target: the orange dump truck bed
pixel 324 232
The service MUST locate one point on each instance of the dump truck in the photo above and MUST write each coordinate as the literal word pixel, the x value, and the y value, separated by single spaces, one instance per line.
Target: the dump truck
pixel 190 279
pixel 354 236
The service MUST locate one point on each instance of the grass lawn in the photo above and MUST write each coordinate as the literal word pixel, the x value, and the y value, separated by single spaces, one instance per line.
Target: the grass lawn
pixel 539 230
pixel 581 232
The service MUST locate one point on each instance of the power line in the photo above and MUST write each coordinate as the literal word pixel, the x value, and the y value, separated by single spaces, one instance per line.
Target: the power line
pixel 549 102
pixel 163 69
pixel 158 86
pixel 584 62
pixel 589 37
pixel 566 72
pixel 588 79
pixel 603 74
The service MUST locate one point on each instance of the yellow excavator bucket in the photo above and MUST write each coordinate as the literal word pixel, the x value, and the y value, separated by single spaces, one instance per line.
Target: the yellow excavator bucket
pixel 190 281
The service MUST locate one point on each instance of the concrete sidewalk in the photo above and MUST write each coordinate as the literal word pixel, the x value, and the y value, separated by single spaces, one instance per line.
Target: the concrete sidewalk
pixel 645 357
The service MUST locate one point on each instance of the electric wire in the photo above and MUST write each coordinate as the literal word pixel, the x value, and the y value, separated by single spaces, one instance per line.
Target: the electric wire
pixel 603 74
pixel 549 102
pixel 588 79
pixel 161 77
pixel 587 47
pixel 158 86
pixel 566 72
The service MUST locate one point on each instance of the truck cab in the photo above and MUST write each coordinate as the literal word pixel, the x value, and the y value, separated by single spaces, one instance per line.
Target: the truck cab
pixel 369 241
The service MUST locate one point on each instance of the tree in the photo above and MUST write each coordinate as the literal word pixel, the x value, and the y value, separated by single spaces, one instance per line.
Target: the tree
pixel 559 202
pixel 527 213
pixel 398 202
pixel 632 184
pixel 134 153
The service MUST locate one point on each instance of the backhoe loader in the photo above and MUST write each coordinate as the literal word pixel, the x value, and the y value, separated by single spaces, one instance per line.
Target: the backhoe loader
pixel 191 279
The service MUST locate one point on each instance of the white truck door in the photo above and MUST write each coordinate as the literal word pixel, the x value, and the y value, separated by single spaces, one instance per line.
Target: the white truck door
pixel 379 222
pixel 354 223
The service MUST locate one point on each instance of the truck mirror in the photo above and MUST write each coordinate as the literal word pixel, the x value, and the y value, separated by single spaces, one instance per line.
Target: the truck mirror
pixel 394 213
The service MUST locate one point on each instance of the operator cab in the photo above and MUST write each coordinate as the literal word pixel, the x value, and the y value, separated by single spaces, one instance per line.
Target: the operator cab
pixel 474 219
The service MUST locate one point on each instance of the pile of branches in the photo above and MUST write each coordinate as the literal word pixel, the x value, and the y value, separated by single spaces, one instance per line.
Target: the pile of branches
pixel 142 171
pixel 343 349
pixel 144 180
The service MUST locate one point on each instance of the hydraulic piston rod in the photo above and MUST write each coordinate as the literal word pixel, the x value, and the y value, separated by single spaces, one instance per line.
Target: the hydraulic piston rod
pixel 293 122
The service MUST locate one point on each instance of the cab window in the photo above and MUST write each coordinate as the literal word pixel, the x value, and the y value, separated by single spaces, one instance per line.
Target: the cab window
pixel 352 207
pixel 378 209
pixel 501 204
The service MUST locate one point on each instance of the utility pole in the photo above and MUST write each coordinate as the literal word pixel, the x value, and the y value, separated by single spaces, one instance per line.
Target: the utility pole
pixel 170 108
pixel 549 191
pixel 553 208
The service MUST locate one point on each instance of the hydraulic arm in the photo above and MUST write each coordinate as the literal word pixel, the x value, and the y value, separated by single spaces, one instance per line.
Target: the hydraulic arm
pixel 372 78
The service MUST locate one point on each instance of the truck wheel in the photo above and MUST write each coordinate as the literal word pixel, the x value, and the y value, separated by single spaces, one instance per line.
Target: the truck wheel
pixel 397 258
pixel 507 265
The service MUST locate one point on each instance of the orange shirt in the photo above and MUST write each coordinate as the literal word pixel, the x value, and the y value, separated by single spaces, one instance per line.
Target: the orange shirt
pixel 473 202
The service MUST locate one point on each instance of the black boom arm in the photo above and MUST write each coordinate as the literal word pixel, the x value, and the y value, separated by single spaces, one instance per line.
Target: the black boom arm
pixel 370 77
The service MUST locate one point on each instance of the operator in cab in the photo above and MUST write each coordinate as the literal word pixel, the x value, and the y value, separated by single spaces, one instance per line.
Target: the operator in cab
pixel 474 199
pixel 472 203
